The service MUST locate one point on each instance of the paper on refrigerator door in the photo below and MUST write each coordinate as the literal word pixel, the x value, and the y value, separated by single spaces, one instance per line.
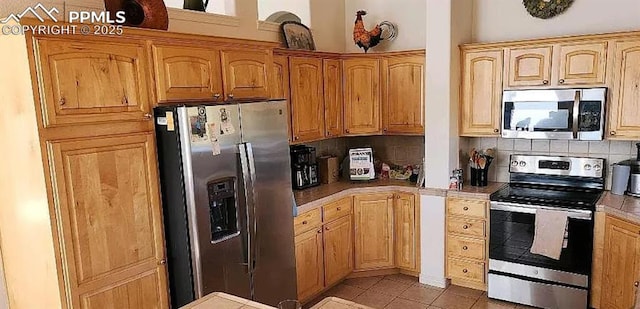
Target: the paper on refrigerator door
pixel 361 164
pixel 213 138
pixel 226 127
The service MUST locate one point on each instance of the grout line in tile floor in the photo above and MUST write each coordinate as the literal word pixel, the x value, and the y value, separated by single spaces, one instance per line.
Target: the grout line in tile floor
pixel 405 292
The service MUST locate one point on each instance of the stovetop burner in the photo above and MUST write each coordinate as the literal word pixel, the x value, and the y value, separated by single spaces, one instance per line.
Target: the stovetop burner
pixel 545 195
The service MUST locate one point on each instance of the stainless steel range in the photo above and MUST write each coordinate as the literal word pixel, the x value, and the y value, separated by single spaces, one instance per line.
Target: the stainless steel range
pixel 572 185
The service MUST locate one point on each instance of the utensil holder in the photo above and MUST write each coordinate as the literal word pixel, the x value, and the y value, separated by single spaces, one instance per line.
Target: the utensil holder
pixel 479 177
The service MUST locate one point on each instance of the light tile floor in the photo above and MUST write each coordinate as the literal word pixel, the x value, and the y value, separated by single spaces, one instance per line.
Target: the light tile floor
pixel 404 292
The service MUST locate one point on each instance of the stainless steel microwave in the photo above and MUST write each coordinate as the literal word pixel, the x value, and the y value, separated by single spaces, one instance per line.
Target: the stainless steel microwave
pixel 574 114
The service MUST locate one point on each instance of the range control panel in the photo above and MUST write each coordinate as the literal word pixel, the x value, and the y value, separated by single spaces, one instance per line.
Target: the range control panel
pixel 560 166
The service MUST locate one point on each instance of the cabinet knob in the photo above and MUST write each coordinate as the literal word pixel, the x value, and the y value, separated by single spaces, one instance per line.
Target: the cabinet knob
pixel 465 271
pixel 545 82
pixel 339 208
pixel 496 130
pixel 295 138
pixel 328 133
pixel 636 284
pixel 384 130
pixel 217 96
pixel 465 227
pixel 612 132
pixel 162 262
pixel 465 248
pixel 326 228
pixel 561 81
pixel 148 116
pixel 231 96
pixel 347 130
pixel 465 208
pixel 320 231
pixel 125 100
pixel 304 222
pixel 63 101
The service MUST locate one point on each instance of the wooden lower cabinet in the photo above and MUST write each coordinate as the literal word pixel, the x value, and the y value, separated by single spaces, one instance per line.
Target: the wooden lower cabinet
pixel 617 266
pixel 110 222
pixel 373 231
pixel 406 232
pixel 338 250
pixel 309 263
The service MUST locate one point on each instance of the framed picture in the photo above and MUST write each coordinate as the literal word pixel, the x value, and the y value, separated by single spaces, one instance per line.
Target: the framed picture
pixel 297 36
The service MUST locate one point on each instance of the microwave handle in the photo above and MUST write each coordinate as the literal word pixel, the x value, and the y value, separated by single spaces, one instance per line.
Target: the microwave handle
pixel 576 114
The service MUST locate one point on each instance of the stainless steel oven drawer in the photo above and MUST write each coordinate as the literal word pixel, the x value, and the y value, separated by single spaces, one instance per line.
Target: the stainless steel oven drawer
pixel 543 295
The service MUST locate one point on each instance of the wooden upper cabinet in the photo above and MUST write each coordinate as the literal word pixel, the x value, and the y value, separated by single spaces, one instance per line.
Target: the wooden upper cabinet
pixel 362 96
pixel 580 63
pixel 187 73
pixel 481 93
pixel 309 263
pixel 107 196
pixel 307 99
pixel 280 85
pixel 89 82
pixel 406 233
pixel 528 66
pixel 246 73
pixel 338 250
pixel 373 231
pixel 624 108
pixel 621 265
pixel 403 95
pixel 333 97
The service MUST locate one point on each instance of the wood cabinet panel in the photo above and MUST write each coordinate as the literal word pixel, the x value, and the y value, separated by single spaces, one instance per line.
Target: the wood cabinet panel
pixel 373 231
pixel 139 292
pixel 187 73
pixel 246 73
pixel 307 99
pixel 529 66
pixel 338 250
pixel 581 63
pixel 406 231
pixel 466 247
pixel 624 108
pixel 89 82
pixel 362 96
pixel 333 97
pixel 468 227
pixel 307 221
pixel 621 265
pixel 109 211
pixel 337 209
pixel 467 207
pixel 403 95
pixel 280 86
pixel 466 270
pixel 481 93
pixel 309 263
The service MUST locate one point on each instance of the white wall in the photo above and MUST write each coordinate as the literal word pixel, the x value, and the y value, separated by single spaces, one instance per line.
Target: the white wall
pixel 408 15
pixel 299 7
pixel 502 20
pixel 224 7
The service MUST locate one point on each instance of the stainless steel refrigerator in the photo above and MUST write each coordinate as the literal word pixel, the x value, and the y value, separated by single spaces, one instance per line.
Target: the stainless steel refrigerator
pixel 227 201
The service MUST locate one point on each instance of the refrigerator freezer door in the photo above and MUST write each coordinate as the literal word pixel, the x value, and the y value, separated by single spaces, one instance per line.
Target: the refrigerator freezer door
pixel 216 207
pixel 264 129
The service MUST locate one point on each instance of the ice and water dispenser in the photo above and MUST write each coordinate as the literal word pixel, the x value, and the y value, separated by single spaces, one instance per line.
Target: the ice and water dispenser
pixel 223 212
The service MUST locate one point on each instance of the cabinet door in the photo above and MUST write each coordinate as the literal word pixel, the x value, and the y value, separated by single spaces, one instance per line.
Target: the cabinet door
pixel 403 95
pixel 362 96
pixel 110 221
pixel 309 264
pixel 338 250
pixel 333 100
pixel 621 269
pixel 307 99
pixel 187 73
pixel 280 86
pixel 89 82
pixel 481 93
pixel 246 73
pixel 406 234
pixel 580 64
pixel 529 66
pixel 373 231
pixel 624 110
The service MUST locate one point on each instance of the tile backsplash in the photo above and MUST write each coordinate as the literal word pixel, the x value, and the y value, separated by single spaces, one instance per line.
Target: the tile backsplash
pixel 611 151
pixel 400 150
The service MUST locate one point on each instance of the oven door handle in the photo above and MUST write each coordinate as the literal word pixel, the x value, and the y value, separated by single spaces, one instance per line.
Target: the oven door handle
pixel 576 113
pixel 531 209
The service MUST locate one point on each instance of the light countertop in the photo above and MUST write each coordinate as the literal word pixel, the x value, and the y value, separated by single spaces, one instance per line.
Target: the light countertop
pixel 225 301
pixel 484 193
pixel 622 206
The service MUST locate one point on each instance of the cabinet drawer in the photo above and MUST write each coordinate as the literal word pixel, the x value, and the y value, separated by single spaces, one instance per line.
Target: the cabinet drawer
pixel 337 209
pixel 468 208
pixel 464 226
pixel 466 270
pixel 466 247
pixel 307 221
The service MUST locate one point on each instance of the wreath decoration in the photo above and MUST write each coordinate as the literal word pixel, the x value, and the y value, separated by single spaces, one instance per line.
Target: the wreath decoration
pixel 546 8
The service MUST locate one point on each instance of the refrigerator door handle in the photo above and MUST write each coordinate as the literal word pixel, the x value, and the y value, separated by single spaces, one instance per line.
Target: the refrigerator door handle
pixel 252 203
pixel 246 180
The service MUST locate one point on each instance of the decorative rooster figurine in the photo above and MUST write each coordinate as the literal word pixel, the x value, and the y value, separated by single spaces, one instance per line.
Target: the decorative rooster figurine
pixel 368 39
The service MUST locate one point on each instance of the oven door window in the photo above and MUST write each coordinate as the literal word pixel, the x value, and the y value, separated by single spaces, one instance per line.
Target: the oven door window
pixel 538 116
pixel 512 235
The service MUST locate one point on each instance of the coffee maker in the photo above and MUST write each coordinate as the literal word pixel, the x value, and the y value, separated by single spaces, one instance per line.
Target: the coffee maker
pixel 304 169
pixel 633 172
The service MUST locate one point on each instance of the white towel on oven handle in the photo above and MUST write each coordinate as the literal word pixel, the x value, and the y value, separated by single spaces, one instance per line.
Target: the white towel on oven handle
pixel 550 229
